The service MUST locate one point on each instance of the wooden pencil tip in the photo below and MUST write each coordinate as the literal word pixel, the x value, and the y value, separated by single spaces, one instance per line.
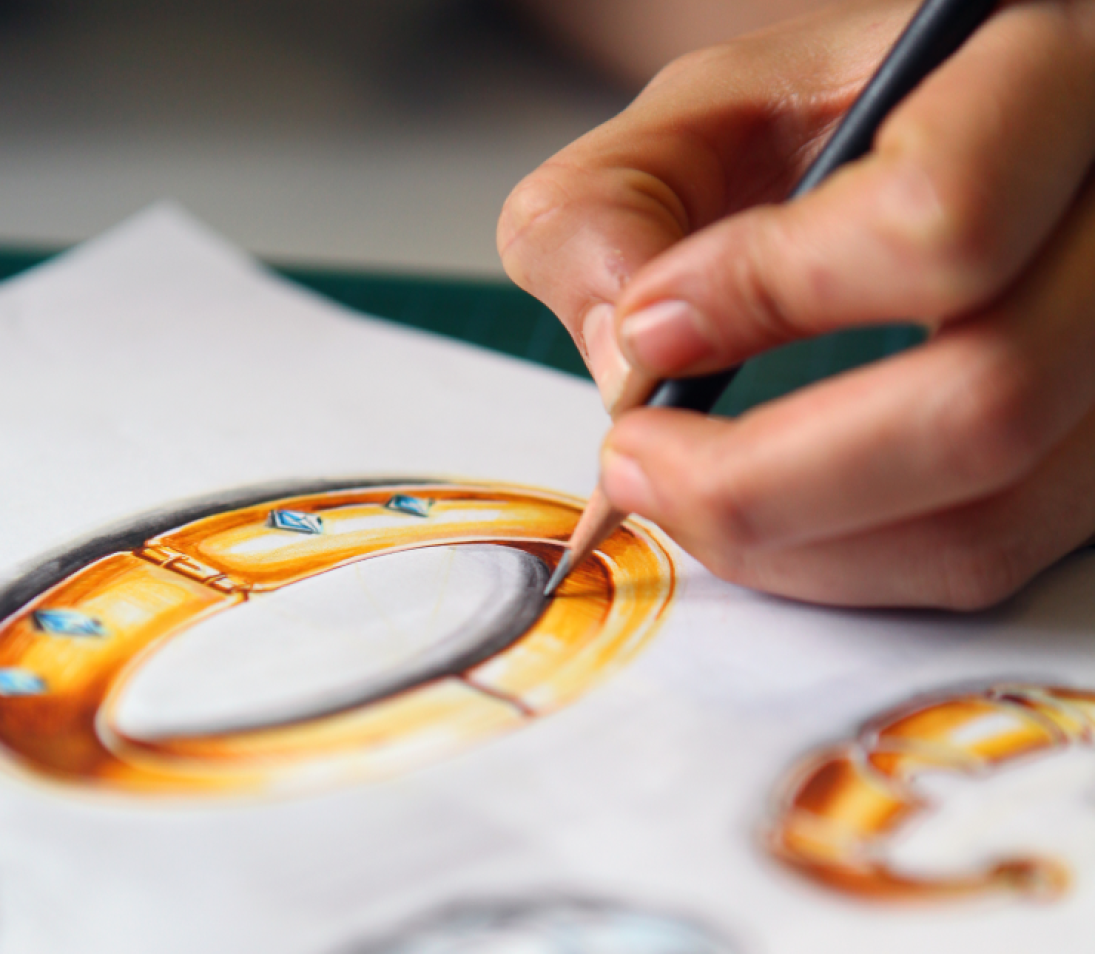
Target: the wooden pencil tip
pixel 597 522
pixel 560 573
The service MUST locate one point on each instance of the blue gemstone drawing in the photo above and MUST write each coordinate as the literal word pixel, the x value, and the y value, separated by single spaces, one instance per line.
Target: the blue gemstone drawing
pixel 20 682
pixel 415 506
pixel 62 622
pixel 296 521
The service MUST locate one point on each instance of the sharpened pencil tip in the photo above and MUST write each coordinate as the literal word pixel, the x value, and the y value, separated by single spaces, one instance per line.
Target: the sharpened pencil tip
pixel 560 573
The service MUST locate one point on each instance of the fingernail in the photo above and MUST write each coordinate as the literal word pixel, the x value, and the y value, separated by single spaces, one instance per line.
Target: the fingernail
pixel 625 482
pixel 665 338
pixel 606 362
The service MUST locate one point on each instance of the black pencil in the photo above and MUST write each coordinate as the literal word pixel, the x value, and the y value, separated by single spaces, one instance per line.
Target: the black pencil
pixel 938 28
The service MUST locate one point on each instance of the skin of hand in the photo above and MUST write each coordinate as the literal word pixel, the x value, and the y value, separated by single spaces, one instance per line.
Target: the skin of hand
pixel 947 476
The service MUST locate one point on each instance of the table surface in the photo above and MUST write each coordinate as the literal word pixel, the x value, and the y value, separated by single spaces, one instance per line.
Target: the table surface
pixel 500 317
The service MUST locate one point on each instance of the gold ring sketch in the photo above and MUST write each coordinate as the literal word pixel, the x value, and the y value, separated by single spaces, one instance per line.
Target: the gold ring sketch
pixel 839 810
pixel 548 926
pixel 375 625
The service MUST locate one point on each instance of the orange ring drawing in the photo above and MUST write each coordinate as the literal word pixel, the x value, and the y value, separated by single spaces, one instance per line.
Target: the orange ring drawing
pixel 840 806
pixel 80 625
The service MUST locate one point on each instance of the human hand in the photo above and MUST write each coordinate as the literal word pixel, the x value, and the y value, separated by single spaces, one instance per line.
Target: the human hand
pixel 945 476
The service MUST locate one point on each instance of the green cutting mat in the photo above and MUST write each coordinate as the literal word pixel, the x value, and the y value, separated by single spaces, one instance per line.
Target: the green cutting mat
pixel 501 317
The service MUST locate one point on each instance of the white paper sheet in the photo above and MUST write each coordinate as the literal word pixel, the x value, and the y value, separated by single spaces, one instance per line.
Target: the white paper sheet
pixel 157 365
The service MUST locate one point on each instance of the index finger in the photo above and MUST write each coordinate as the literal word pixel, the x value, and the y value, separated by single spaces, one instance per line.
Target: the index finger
pixel 967 180
pixel 715 132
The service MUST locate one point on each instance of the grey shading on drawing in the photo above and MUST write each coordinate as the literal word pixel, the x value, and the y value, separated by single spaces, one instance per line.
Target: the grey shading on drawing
pixel 503 615
pixel 551 925
pixel 34 579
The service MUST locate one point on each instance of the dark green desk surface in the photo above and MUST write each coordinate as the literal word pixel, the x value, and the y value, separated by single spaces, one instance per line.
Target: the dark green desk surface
pixel 499 316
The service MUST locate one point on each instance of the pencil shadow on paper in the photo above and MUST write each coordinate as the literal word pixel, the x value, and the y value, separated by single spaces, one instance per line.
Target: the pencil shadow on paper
pixel 1006 755
pixel 375 625
pixel 548 925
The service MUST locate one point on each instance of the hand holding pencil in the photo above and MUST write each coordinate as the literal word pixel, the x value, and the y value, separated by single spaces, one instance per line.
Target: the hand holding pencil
pixel 946 476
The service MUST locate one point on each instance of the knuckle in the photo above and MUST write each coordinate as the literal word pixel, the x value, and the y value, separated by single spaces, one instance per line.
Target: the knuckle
pixel 756 291
pixel 989 429
pixel 720 510
pixel 687 492
pixel 729 563
pixel 946 228
pixel 978 573
pixel 687 66
pixel 533 199
pixel 650 197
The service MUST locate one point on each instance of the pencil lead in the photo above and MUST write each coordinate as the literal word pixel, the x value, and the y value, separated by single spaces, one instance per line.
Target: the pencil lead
pixel 560 573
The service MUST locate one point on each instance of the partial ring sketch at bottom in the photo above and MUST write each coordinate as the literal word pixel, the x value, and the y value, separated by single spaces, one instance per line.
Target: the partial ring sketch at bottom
pixel 548 926
pixel 839 811
pixel 427 595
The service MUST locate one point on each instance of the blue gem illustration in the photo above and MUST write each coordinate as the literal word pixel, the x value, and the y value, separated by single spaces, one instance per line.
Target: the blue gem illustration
pixel 415 506
pixel 20 682
pixel 296 520
pixel 62 622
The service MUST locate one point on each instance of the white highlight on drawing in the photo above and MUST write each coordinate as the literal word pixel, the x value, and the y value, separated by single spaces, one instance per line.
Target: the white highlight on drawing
pixel 1040 806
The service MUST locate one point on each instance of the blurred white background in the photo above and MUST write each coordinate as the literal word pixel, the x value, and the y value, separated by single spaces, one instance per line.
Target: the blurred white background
pixel 345 132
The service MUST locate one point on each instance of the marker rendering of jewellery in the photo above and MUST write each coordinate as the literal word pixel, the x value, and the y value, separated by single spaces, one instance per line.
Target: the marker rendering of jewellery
pixel 97 641
pixel 938 28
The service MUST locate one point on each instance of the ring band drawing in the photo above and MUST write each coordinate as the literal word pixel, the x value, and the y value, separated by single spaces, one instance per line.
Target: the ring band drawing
pixel 76 630
pixel 839 807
